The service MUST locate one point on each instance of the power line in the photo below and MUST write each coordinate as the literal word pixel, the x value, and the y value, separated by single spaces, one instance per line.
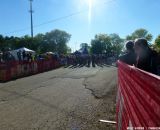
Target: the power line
pixel 60 18
pixel 48 22
pixel 51 21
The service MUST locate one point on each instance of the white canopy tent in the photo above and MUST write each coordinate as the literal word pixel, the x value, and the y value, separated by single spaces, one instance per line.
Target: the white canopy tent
pixel 24 49
pixel 50 53
pixel 14 52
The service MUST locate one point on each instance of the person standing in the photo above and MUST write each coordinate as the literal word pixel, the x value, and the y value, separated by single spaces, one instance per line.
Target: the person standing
pixel 88 60
pixel 24 55
pixel 19 55
pixel 93 60
pixel 146 58
pixel 129 57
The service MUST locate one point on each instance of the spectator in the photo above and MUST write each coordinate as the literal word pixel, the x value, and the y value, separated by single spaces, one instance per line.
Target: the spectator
pixel 19 54
pixel 29 57
pixel 1 57
pixel 24 55
pixel 88 60
pixel 146 58
pixel 7 56
pixel 93 60
pixel 129 57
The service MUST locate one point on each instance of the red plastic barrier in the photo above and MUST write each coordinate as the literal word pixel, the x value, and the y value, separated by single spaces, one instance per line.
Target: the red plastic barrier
pixel 11 70
pixel 138 99
pixel 35 67
pixel 40 66
pixel 5 72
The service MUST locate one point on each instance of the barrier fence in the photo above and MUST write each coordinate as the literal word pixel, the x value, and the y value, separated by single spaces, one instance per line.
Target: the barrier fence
pixel 15 69
pixel 138 99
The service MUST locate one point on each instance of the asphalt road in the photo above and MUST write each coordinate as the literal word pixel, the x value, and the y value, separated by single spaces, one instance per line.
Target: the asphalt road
pixel 62 99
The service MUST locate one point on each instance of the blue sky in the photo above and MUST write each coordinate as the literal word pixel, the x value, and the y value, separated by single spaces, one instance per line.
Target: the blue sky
pixel 104 16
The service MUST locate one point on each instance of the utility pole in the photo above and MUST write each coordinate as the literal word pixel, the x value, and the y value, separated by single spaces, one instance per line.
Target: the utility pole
pixel 31 12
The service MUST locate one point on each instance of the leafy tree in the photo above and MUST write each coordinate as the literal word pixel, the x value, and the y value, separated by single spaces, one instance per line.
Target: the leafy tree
pixel 157 41
pixel 84 45
pixel 57 41
pixel 16 43
pixel 1 42
pixel 117 43
pixel 140 33
pixel 7 43
pixel 104 43
pixel 156 44
pixel 39 43
pixel 69 50
pixel 100 44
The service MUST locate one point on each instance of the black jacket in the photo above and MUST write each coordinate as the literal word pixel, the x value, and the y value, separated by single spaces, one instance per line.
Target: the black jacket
pixel 148 62
pixel 128 58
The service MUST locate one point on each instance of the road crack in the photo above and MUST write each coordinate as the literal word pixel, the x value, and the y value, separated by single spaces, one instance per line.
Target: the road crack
pixel 85 84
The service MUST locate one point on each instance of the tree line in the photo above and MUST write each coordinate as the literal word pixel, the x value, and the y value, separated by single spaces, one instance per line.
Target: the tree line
pixel 56 41
pixel 53 41
pixel 114 43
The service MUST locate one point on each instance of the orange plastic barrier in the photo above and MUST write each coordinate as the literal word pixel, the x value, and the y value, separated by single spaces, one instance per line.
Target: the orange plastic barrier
pixel 138 100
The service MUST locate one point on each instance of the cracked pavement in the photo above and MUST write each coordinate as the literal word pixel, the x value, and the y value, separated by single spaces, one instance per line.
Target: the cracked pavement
pixel 62 99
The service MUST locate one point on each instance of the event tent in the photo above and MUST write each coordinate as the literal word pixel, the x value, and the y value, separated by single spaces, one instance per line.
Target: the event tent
pixel 14 52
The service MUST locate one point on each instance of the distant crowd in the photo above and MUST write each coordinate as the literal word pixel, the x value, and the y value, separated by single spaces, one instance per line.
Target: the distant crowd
pixel 23 56
pixel 139 54
pixel 80 60
pixel 7 56
pixel 74 59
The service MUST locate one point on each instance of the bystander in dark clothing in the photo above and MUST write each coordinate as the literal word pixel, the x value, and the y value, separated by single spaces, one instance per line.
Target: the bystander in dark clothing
pixel 88 61
pixel 1 57
pixel 146 58
pixel 129 57
pixel 19 55
pixel 7 56
pixel 93 60
pixel 24 55
pixel 29 57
